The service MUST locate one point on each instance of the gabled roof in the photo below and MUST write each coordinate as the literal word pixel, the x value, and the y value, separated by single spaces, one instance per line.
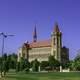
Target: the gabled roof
pixel 44 43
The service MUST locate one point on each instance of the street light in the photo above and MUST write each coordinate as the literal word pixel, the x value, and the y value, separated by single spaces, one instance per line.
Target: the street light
pixel 3 37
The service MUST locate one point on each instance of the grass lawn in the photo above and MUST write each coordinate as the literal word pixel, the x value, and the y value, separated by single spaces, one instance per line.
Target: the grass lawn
pixel 44 76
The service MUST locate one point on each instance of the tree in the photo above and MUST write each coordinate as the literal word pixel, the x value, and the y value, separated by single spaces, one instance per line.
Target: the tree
pixel 31 64
pixel 0 63
pixel 77 63
pixel 53 63
pixel 4 64
pixel 66 65
pixel 22 63
pixel 9 61
pixel 27 65
pixel 5 57
pixel 17 66
pixel 35 65
pixel 5 67
pixel 43 65
pixel 12 60
pixel 71 65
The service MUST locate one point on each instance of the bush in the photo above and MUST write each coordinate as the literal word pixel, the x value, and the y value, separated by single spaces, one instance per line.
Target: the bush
pixel 35 66
pixel 43 65
pixel 18 67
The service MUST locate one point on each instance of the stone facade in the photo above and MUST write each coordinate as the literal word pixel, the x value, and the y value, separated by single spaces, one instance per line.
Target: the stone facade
pixel 39 53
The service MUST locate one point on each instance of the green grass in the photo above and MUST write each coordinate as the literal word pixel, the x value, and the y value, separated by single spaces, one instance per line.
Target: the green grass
pixel 44 76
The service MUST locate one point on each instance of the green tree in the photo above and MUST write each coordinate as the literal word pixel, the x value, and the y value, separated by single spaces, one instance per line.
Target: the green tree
pixel 0 63
pixel 44 65
pixel 71 64
pixel 5 67
pixel 9 60
pixel 22 63
pixel 17 66
pixel 12 60
pixel 53 63
pixel 27 65
pixel 4 57
pixel 77 63
pixel 31 64
pixel 35 66
pixel 4 64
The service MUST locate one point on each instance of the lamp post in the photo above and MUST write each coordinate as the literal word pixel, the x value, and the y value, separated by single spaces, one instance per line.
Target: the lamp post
pixel 3 37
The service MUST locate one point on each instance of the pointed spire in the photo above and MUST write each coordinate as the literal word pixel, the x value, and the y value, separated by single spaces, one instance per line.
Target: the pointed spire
pixel 34 35
pixel 56 28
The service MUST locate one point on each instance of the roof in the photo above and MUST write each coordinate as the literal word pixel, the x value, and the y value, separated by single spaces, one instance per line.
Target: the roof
pixel 44 43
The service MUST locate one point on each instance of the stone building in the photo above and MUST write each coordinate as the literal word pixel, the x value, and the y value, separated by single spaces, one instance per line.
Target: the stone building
pixel 41 50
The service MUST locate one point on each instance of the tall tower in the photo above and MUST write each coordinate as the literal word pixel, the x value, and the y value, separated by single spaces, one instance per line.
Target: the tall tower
pixel 34 35
pixel 56 43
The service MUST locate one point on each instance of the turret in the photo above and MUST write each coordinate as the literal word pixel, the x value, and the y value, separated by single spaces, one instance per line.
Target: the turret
pixel 56 42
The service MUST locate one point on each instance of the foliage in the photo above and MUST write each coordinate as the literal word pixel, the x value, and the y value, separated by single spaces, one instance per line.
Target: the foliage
pixel 53 63
pixel 12 60
pixel 31 64
pixel 7 62
pixel 17 66
pixel 4 65
pixel 24 65
pixel 35 65
pixel 27 65
pixel 71 65
pixel 43 65
pixel 77 63
pixel 66 65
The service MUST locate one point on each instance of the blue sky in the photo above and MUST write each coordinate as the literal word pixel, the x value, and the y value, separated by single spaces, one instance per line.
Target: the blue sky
pixel 19 17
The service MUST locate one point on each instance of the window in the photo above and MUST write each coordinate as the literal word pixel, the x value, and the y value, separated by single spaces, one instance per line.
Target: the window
pixel 54 41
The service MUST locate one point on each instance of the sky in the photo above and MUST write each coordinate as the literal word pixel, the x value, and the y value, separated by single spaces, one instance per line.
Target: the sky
pixel 19 17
